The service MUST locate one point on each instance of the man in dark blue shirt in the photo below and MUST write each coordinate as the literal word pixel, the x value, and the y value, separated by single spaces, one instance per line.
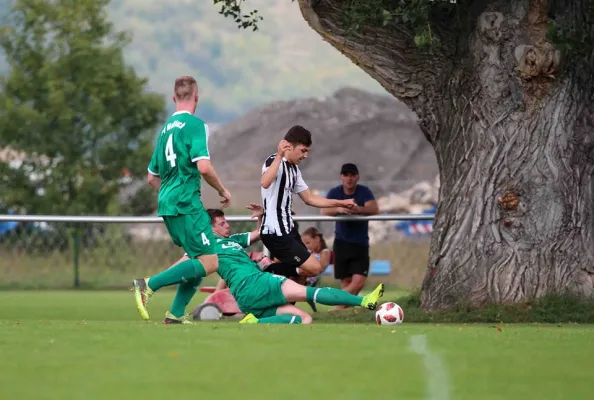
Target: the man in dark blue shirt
pixel 351 238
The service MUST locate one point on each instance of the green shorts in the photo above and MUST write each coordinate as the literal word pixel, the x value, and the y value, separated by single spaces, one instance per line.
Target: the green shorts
pixel 191 232
pixel 261 295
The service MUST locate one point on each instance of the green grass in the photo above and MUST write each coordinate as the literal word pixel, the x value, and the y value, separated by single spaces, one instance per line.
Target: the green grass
pixel 92 345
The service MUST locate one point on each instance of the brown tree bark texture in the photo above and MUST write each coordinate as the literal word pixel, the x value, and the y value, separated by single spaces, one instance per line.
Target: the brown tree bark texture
pixel 513 131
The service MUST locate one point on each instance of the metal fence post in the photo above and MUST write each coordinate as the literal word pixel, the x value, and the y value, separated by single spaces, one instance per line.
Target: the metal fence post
pixel 75 254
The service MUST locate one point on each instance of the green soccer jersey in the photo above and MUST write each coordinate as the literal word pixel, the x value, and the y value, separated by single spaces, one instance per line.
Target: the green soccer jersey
pixel 234 262
pixel 181 143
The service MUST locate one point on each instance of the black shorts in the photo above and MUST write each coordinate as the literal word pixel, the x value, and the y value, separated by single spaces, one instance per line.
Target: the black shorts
pixel 287 248
pixel 350 259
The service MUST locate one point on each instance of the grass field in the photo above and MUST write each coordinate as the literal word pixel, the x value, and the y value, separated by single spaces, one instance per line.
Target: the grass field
pixel 92 345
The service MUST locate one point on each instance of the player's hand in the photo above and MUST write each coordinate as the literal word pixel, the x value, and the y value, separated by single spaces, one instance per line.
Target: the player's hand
pixel 226 197
pixel 350 204
pixel 257 210
pixel 343 210
pixel 283 147
pixel 355 210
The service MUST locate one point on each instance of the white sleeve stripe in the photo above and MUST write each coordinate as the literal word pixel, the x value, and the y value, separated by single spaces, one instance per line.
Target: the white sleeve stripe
pixel 200 158
pixel 207 136
pixel 151 172
pixel 249 242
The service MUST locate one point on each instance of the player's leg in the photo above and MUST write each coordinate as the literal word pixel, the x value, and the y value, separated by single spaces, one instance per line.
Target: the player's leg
pixel 286 314
pixel 294 292
pixel 295 259
pixel 278 247
pixel 311 266
pixel 181 230
pixel 311 282
pixel 202 242
pixel 194 234
pixel 184 294
pixel 183 268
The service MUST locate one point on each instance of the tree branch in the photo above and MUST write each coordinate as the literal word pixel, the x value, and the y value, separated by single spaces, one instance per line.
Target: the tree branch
pixel 388 54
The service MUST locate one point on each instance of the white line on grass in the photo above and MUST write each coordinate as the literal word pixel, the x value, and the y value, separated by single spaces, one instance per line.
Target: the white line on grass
pixel 438 383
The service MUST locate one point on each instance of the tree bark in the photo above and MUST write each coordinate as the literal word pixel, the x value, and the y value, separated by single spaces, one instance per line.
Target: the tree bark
pixel 513 132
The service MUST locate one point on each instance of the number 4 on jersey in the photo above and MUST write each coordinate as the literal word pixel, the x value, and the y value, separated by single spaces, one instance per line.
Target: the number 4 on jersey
pixel 169 154
pixel 205 240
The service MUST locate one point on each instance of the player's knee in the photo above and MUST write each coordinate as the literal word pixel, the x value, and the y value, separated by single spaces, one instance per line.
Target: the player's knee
pixel 313 266
pixel 306 319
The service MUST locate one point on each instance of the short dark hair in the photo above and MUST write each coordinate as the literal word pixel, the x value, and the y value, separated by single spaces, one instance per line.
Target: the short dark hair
pixel 298 135
pixel 214 213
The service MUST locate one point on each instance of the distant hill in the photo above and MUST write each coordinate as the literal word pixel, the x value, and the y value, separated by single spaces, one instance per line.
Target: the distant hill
pixel 237 70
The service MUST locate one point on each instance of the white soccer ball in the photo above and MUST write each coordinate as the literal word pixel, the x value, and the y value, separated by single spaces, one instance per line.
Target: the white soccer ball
pixel 389 314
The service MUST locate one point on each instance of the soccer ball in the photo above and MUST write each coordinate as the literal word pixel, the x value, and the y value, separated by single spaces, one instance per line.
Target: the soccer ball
pixel 389 314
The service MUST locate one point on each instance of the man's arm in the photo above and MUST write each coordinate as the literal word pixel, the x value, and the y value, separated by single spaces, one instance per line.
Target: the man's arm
pixel 370 208
pixel 258 211
pixel 334 211
pixel 153 177
pixel 198 133
pixel 210 176
pixel 315 200
pixel 270 171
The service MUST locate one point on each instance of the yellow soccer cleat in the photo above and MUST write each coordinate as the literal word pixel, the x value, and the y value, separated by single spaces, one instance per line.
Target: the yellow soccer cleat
pixel 370 301
pixel 142 294
pixel 172 319
pixel 249 319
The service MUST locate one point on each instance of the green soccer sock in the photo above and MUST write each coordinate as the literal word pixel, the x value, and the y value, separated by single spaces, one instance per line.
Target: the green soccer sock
pixel 281 319
pixel 332 297
pixel 185 292
pixel 182 272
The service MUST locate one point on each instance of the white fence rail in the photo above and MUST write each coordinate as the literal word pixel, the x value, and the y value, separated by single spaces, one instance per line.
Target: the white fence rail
pixel 230 218
pixel 106 250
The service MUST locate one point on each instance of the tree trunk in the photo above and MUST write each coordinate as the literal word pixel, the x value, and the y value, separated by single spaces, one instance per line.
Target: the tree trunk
pixel 513 133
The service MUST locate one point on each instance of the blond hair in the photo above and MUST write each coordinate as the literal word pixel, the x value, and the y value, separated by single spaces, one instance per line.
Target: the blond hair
pixel 185 88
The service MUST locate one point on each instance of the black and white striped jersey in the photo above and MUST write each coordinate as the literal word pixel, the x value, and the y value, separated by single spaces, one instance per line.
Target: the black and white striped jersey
pixel 278 198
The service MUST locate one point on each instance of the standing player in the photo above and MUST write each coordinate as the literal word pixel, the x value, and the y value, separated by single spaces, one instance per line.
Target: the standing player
pixel 179 161
pixel 281 178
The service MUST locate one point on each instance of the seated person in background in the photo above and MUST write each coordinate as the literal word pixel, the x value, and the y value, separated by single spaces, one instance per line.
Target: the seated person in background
pixel 315 243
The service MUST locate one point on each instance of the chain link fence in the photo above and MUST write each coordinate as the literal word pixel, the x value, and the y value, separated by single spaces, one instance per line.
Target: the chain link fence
pixel 108 255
